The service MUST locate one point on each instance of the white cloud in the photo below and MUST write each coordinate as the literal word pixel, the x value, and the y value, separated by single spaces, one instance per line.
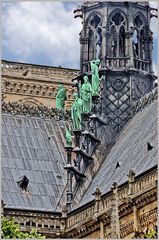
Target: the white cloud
pixel 44 29
pixel 153 4
pixel 154 67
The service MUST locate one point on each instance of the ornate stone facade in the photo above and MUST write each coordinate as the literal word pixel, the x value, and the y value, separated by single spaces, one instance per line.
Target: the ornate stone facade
pixel 127 209
pixel 136 203
pixel 35 85
pixel 118 33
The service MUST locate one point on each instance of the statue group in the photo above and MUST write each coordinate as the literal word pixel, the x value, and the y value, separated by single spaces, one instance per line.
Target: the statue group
pixel 82 101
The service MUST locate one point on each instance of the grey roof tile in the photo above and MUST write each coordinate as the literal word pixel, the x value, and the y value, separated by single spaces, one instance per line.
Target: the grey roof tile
pixel 27 150
pixel 130 151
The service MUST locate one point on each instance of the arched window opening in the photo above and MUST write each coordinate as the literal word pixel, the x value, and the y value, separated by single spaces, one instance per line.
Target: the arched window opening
pixel 135 42
pixel 91 45
pixel 122 42
pixel 113 42
pixel 139 43
pixel 142 45
pixel 95 21
pixel 94 38
pixel 118 19
pixel 116 36
pixel 138 21
pixel 98 38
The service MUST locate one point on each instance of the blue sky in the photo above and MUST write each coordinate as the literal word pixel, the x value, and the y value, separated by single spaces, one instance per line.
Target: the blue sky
pixel 45 33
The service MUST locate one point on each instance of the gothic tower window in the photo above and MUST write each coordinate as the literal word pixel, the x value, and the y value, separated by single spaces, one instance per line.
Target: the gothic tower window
pixel 135 42
pixel 116 36
pixel 94 37
pixel 139 37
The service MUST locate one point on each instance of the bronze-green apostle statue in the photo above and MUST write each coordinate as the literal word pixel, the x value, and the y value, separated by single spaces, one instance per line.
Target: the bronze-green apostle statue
pixel 76 111
pixel 86 94
pixel 68 137
pixel 61 98
pixel 95 77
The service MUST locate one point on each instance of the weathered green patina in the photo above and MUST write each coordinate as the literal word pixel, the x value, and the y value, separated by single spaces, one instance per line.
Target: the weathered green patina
pixel 95 77
pixel 86 94
pixel 68 137
pixel 61 98
pixel 76 111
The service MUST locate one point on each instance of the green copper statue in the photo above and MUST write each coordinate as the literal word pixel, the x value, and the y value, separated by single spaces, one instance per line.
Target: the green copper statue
pixel 76 111
pixel 86 94
pixel 95 77
pixel 68 137
pixel 61 98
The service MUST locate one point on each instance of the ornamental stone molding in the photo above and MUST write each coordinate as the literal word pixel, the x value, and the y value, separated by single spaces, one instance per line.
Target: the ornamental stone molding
pixel 145 101
pixel 20 80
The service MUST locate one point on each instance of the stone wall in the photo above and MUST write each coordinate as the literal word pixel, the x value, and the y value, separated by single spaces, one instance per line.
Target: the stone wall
pixel 34 84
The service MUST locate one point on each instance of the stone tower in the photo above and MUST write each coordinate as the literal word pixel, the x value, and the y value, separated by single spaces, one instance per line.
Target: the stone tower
pixel 118 33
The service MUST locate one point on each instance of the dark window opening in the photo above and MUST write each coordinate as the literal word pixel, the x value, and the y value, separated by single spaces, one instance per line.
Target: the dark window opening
pixel 118 19
pixel 28 223
pixel 149 146
pixel 138 21
pixel 95 21
pixel 23 183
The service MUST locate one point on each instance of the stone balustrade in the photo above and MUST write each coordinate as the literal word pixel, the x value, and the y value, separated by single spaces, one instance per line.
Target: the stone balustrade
pixel 142 65
pixel 44 223
pixel 37 69
pixel 139 185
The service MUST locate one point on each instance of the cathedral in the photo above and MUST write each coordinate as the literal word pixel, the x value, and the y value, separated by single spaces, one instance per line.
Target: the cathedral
pixel 103 184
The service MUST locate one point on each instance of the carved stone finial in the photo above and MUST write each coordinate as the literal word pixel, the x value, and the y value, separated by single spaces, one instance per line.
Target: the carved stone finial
pixel 97 194
pixel 131 176
pixel 114 186
pixel 64 211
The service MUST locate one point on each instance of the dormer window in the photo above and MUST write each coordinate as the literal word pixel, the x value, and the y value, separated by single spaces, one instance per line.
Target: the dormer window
pixel 23 183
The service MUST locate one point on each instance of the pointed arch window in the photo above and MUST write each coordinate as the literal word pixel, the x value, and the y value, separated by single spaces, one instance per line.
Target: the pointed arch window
pixel 94 37
pixel 116 37
pixel 139 45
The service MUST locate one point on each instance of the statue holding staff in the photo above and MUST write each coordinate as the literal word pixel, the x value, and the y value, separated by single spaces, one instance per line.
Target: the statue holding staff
pixel 76 111
pixel 68 137
pixel 86 94
pixel 61 98
pixel 95 77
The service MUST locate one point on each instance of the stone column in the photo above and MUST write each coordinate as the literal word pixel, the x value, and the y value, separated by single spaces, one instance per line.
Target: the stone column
pixel 115 226
pixel 136 219
pixel 69 179
pixel 97 195
pixel 131 176
pixel 63 218
pixel 101 230
pixel 130 43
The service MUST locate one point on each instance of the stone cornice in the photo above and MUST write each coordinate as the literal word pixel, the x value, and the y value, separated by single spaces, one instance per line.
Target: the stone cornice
pixel 37 69
pixel 30 88
pixel 34 111
pixel 145 101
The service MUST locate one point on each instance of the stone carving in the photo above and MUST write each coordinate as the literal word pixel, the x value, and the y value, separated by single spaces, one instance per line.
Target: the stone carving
pixel 86 95
pixel 145 101
pixel 95 77
pixel 68 137
pixel 118 84
pixel 61 98
pixel 7 66
pixel 76 111
pixel 35 111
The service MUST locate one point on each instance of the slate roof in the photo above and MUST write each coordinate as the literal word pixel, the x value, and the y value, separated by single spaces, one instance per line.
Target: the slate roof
pixel 33 147
pixel 130 151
